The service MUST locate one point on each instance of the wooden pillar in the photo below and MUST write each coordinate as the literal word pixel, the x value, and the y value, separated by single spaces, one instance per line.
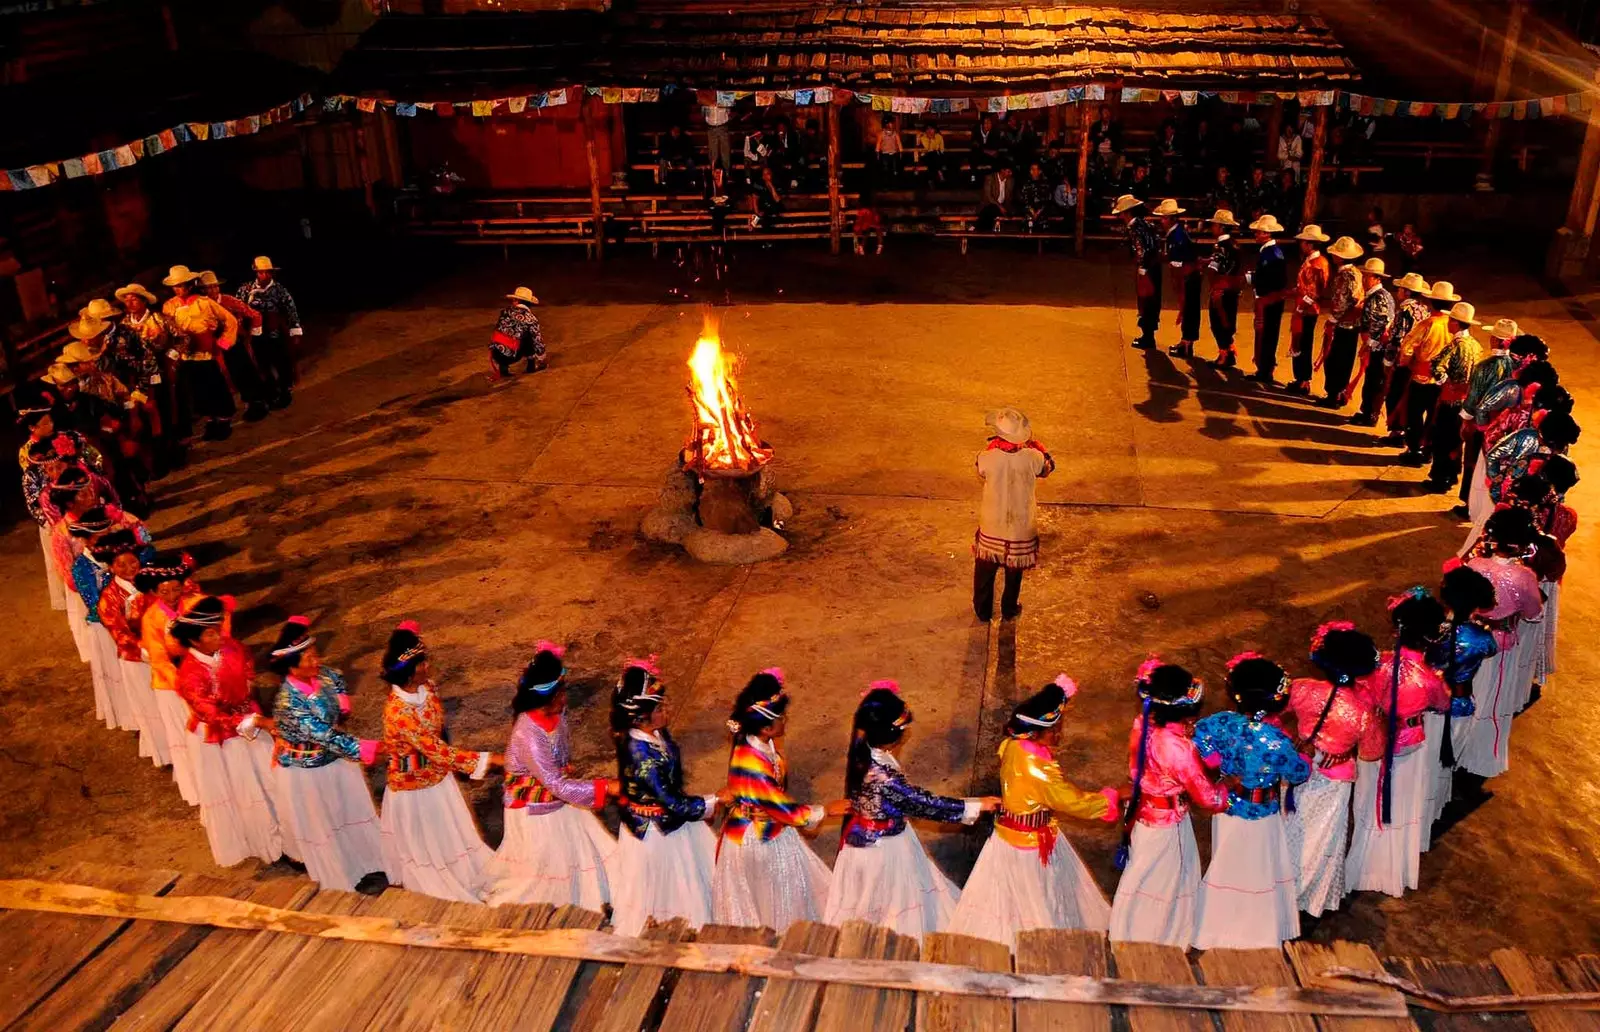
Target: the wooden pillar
pixel 1584 191
pixel 1085 120
pixel 586 120
pixel 1502 85
pixel 835 207
pixel 1319 140
pixel 169 27
pixel 363 162
pixel 1274 127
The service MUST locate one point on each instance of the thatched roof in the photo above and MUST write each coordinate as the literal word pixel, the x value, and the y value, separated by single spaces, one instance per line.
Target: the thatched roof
pixel 750 44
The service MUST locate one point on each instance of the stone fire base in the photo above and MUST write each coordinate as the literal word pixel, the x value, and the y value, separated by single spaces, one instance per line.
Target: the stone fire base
pixel 672 521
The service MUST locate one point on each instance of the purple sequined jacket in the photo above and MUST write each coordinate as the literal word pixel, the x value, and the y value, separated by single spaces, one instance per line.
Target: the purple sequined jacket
pixel 537 778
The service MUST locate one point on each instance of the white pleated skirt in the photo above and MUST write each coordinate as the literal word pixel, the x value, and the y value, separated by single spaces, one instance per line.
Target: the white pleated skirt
pixel 1483 744
pixel 892 883
pixel 173 714
pixel 142 702
pixel 559 857
pixel 1480 506
pixel 1545 664
pixel 431 844
pixel 1011 891
pixel 1389 858
pixel 1530 653
pixel 1249 897
pixel 77 623
pixel 53 585
pixel 234 782
pixel 769 884
pixel 1158 894
pixel 328 812
pixel 1318 831
pixel 109 704
pixel 662 876
pixel 1441 779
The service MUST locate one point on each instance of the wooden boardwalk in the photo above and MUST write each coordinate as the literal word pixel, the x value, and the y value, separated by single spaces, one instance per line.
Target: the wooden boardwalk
pixel 64 971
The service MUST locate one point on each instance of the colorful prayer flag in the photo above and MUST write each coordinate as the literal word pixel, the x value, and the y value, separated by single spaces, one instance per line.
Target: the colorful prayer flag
pixel 803 97
pixel 960 104
pixel 1075 94
pixel 199 130
pixel 555 98
pixel 1190 97
pixel 822 95
pixel 125 156
pixel 19 179
pixel 73 168
pixel 766 98
pixel 42 175
pixel 92 165
pixel 367 104
pixel 1130 94
pixel 882 102
pixel 649 96
pixel 1096 92
pixel 725 98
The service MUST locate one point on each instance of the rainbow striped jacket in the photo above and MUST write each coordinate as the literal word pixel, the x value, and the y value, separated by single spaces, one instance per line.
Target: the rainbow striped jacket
pixel 762 805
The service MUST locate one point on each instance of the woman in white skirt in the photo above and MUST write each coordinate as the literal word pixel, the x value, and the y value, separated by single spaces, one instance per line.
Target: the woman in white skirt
pixel 1467 643
pixel 431 843
pixel 169 590
pixel 38 457
pixel 121 610
pixel 665 851
pixel 72 494
pixel 1028 875
pixel 90 575
pixel 1395 769
pixel 1483 746
pixel 1158 892
pixel 767 876
pixel 321 794
pixel 1560 521
pixel 554 850
pixel 1331 722
pixel 882 875
pixel 232 759
pixel 1249 896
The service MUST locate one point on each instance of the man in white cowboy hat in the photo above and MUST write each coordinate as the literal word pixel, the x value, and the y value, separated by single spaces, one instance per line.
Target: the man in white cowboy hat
pixel 1010 467
pixel 1184 258
pixel 1411 310
pixel 1270 279
pixel 517 336
pixel 1418 352
pixel 269 340
pixel 237 357
pixel 1495 368
pixel 1345 293
pixel 1227 279
pixel 1377 344
pixel 1310 294
pixel 201 330
pixel 1145 246
pixel 1452 369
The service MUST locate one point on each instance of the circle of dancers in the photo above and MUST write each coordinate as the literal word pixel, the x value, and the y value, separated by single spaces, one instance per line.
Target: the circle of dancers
pixel 1317 785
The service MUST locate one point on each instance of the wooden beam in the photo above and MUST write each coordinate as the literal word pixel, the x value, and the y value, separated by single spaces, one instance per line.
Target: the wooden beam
pixel 1583 183
pixel 756 961
pixel 1085 120
pixel 1502 82
pixel 586 119
pixel 835 209
pixel 1319 142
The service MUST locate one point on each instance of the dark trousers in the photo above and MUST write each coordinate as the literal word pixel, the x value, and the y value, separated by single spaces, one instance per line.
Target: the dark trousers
pixel 1471 448
pixel 1374 387
pixel 275 364
pixel 202 392
pixel 1267 329
pixel 1224 317
pixel 1302 340
pixel 1446 443
pixel 1394 400
pixel 1147 289
pixel 983 571
pixel 988 215
pixel 1189 317
pixel 242 371
pixel 1341 361
pixel 1421 400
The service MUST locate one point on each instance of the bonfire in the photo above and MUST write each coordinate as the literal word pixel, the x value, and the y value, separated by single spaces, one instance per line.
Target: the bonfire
pixel 725 442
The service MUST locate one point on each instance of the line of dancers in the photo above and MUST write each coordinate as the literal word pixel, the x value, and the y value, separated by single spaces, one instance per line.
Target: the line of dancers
pixel 1318 786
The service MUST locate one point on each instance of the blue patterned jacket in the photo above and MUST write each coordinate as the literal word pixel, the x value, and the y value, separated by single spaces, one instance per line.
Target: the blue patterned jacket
pixel 308 734
pixel 1473 645
pixel 1251 755
pixel 652 787
pixel 885 800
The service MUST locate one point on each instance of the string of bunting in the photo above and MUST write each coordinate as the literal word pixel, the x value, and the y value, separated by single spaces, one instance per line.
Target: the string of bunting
pixel 1538 107
pixel 134 151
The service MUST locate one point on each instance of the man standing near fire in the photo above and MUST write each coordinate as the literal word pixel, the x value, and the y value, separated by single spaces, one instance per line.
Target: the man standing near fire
pixel 1010 466
pixel 269 339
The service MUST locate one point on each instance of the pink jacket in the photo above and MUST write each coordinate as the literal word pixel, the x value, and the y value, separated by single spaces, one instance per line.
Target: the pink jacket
pixel 1172 769
pixel 1516 595
pixel 1421 689
pixel 1351 724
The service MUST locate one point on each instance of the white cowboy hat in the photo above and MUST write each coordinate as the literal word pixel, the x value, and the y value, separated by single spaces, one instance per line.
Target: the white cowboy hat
pixel 1011 425
pixel 59 374
pixel 180 274
pixel 86 327
pixel 1223 217
pixel 1443 290
pixel 1127 202
pixel 209 279
pixel 100 308
pixel 1464 313
pixel 524 295
pixel 1168 207
pixel 1374 267
pixel 134 289
pixel 1345 248
pixel 1311 232
pixel 263 264
pixel 80 351
pixel 1411 281
pixel 1266 224
pixel 1505 329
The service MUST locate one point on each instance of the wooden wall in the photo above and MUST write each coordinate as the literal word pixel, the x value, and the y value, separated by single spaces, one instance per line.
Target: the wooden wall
pixel 537 151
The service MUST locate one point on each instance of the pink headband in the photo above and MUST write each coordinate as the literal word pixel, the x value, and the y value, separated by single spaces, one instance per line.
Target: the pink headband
pixel 775 672
pixel 1068 686
pixel 1241 657
pixel 885 684
pixel 560 652
pixel 1148 667
pixel 409 625
pixel 648 664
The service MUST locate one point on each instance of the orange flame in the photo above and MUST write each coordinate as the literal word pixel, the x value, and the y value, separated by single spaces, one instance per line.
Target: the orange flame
pixel 725 438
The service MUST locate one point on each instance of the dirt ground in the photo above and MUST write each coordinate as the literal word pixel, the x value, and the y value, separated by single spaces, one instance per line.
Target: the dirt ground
pixel 1191 513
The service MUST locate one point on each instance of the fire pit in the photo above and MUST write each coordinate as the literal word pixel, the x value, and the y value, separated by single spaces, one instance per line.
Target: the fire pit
pixel 720 502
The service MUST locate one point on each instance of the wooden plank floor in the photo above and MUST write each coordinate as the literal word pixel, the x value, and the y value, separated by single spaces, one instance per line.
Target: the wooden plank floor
pixel 1060 951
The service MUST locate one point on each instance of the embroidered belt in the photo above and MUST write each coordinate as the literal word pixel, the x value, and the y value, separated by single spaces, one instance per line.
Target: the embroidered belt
pixel 1415 720
pixel 1040 823
pixel 1253 795
pixel 645 810
pixel 1327 760
pixel 1162 802
pixel 199 356
pixel 855 820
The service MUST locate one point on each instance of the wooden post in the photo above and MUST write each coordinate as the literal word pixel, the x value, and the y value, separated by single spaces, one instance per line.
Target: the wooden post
pixel 835 207
pixel 1274 127
pixel 1584 184
pixel 1502 87
pixel 586 119
pixel 1319 139
pixel 1084 122
pixel 362 162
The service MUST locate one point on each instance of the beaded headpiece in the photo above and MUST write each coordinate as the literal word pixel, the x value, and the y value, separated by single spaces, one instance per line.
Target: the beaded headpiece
pixel 297 645
pixel 652 690
pixel 1147 669
pixel 558 651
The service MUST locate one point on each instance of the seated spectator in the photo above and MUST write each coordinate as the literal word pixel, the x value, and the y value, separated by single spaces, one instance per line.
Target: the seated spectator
pixel 1025 144
pixel 784 145
pixel 1167 156
pixel 1064 203
pixel 1290 196
pixel 1291 149
pixel 1224 196
pixel 757 152
pixel 1105 138
pixel 997 199
pixel 987 143
pixel 1202 150
pixel 890 151
pixel 1055 164
pixel 1235 150
pixel 719 198
pixel 676 160
pixel 768 202
pixel 1136 181
pixel 1034 197
pixel 1408 247
pixel 930 152
pixel 1259 194
pixel 1377 238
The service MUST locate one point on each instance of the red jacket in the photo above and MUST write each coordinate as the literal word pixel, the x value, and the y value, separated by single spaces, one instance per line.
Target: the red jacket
pixel 219 697
pixel 114 616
